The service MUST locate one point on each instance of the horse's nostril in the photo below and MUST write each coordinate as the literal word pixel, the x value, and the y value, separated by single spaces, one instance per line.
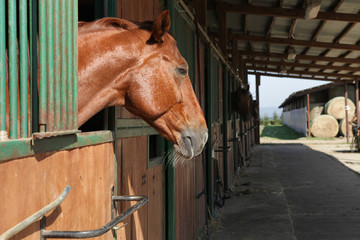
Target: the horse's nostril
pixel 189 140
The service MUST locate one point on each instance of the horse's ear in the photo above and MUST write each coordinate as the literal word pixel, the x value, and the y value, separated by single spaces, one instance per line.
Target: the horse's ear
pixel 160 28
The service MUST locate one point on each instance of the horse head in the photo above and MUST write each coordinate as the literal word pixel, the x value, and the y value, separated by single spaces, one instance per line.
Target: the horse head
pixel 241 102
pixel 141 68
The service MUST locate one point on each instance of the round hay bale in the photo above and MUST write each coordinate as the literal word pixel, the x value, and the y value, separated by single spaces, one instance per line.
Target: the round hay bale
pixel 316 109
pixel 336 107
pixel 342 126
pixel 324 126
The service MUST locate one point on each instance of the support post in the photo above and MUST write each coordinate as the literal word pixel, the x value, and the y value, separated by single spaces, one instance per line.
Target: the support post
pixel 308 114
pixel 357 101
pixel 346 112
pixel 258 82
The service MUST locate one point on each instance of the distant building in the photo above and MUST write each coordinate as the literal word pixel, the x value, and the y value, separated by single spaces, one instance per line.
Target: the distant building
pixel 302 107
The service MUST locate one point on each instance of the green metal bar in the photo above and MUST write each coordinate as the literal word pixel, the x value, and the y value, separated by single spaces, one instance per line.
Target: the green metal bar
pixel 209 167
pixel 63 77
pixel 69 41
pixel 12 68
pixel 2 71
pixel 225 128
pixel 57 101
pixel 34 65
pixel 42 67
pixel 75 69
pixel 50 66
pixel 24 131
pixel 26 147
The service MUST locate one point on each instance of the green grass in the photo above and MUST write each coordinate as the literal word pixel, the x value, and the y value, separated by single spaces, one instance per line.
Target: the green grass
pixel 280 132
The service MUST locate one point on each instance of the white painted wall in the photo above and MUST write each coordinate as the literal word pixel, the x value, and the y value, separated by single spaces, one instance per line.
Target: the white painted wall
pixel 296 119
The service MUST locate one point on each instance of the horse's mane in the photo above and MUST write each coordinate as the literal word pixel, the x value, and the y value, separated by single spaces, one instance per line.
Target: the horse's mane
pixel 113 23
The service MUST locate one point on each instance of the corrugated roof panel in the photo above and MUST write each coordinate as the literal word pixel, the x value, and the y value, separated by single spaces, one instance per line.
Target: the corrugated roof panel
pixel 235 21
pixel 278 48
pixel 349 6
pixel 280 27
pixel 259 46
pixel 330 31
pixel 305 29
pixel 353 36
pixel 290 3
pixel 257 24
pixel 265 3
pixel 354 54
pixel 321 62
pixel 335 52
pixel 314 51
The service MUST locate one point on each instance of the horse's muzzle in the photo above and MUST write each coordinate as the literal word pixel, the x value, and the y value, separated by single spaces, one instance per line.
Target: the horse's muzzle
pixel 192 142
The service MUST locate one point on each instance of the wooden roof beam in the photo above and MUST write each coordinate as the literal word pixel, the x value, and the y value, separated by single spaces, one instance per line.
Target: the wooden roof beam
pixel 285 75
pixel 292 64
pixel 300 57
pixel 304 73
pixel 289 41
pixel 282 12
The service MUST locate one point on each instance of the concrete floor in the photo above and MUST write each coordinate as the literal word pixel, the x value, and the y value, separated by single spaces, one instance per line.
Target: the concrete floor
pixel 294 191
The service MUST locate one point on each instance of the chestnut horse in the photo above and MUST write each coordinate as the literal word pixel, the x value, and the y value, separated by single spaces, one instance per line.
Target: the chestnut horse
pixel 241 101
pixel 140 67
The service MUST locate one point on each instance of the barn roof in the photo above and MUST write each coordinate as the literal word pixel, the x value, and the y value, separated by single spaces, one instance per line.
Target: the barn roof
pixel 295 95
pixel 277 38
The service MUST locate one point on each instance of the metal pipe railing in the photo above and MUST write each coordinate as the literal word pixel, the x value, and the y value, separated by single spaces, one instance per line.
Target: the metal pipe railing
pixel 22 225
pixel 70 65
pixel 100 231
pixel 42 66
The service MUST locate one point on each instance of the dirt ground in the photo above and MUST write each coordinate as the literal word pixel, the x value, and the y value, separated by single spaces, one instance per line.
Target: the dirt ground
pixel 337 148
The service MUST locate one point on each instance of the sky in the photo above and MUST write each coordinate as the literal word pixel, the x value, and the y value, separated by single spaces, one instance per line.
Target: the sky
pixel 273 91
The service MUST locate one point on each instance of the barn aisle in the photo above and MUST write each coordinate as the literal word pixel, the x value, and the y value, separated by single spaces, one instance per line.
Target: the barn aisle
pixel 290 191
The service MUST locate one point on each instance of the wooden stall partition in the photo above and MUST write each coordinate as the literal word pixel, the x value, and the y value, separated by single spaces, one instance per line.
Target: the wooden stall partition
pixel 28 184
pixel 185 201
pixel 231 157
pixel 139 10
pixel 135 178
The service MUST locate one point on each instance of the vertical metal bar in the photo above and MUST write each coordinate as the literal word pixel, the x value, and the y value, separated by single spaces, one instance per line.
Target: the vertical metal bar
pixel 308 114
pixel 346 112
pixel 12 68
pixel 42 67
pixel 69 42
pixel 64 59
pixel 57 65
pixel 23 69
pixel 34 65
pixel 357 101
pixel 3 132
pixel 75 68
pixel 50 65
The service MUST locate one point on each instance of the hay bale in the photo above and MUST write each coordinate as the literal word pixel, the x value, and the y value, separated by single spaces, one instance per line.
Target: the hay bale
pixel 336 107
pixel 324 126
pixel 342 126
pixel 316 109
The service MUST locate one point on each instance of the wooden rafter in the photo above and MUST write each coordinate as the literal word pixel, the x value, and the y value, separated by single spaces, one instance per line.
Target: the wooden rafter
pixel 289 41
pixel 302 65
pixel 283 12
pixel 305 73
pixel 286 75
pixel 300 57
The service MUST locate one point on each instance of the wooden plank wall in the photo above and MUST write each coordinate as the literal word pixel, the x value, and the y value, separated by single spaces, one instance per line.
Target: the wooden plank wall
pixel 28 184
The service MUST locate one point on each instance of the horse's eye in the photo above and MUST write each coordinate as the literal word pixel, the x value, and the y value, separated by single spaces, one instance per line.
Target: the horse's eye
pixel 182 71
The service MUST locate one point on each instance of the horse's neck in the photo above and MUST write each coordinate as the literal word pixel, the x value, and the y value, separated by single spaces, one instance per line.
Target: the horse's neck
pixel 104 63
